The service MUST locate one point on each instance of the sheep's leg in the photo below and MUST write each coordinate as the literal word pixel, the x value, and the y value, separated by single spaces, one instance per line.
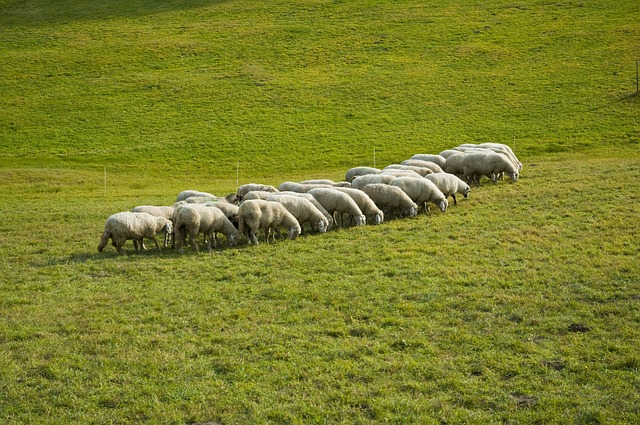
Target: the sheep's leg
pixel 194 242
pixel 454 199
pixel 155 242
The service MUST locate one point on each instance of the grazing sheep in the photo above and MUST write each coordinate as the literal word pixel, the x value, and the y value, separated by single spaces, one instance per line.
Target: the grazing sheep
pixel 504 149
pixel 189 193
pixel 401 173
pixel 137 226
pixel 327 182
pixel 257 194
pixel 488 163
pixel 193 219
pixel 422 171
pixel 313 200
pixel 436 159
pixel 229 210
pixel 303 210
pixel 246 188
pixel 447 153
pixel 455 164
pixel 449 185
pixel 391 199
pixel 156 211
pixel 335 201
pixel 425 164
pixel 367 206
pixel 362 181
pixel 199 199
pixel 360 171
pixel 269 215
pixel 422 191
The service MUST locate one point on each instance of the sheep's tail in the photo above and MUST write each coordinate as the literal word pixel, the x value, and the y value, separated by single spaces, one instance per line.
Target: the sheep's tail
pixel 104 240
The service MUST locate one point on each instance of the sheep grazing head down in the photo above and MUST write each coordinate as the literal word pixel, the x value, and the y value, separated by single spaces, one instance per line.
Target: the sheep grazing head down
pixel 378 218
pixel 232 239
pixel 321 226
pixel 443 205
pixel 168 228
pixel 293 233
pixel 514 176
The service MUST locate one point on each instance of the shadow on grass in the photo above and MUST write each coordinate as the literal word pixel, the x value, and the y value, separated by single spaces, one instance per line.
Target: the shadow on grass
pixel 37 12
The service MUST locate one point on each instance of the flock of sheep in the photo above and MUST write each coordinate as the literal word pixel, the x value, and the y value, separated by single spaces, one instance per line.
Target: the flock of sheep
pixel 365 196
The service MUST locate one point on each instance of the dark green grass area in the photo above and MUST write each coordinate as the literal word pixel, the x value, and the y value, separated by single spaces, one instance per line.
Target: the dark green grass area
pixel 518 305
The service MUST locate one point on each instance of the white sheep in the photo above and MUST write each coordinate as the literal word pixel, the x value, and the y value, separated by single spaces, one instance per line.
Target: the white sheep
pixel 335 201
pixel 365 203
pixel 422 171
pixel 327 182
pixel 268 215
pixel 455 164
pixel 391 199
pixel 361 181
pixel 137 226
pixel 401 173
pixel 360 171
pixel 303 210
pixel 449 185
pixel 313 200
pixel 425 164
pixel 199 199
pixel 193 219
pixel 257 194
pixel 156 211
pixel 189 193
pixel 504 149
pixel 304 188
pixel 447 153
pixel 488 163
pixel 246 188
pixel 422 191
pixel 229 210
pixel 436 159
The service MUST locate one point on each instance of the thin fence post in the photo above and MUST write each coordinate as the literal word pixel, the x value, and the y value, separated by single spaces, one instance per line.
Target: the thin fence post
pixel 105 181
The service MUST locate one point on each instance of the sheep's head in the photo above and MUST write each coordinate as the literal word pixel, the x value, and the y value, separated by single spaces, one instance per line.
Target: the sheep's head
pixel 514 176
pixel 466 191
pixel 168 227
pixel 232 239
pixel 361 220
pixel 443 205
pixel 412 211
pixel 378 218
pixel 293 232
pixel 321 226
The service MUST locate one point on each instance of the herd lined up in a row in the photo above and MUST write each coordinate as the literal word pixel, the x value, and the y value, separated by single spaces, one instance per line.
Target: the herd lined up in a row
pixel 365 196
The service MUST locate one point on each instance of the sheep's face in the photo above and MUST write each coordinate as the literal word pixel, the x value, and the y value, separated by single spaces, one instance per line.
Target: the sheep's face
pixel 378 218
pixel 514 176
pixel 232 239
pixel 321 226
pixel 361 220
pixel 443 205
pixel 466 191
pixel 293 232
pixel 168 228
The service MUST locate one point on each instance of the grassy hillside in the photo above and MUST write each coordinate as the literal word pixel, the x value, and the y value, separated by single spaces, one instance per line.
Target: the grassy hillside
pixel 519 305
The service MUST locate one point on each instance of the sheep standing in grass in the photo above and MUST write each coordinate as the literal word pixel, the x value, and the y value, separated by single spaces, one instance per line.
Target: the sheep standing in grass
pixel 257 194
pixel 367 206
pixel 189 193
pixel 335 201
pixel 327 182
pixel 488 163
pixel 229 210
pixel 391 199
pixel 422 192
pixel 268 215
pixel 455 164
pixel 303 210
pixel 313 200
pixel 361 181
pixel 449 185
pixel 424 164
pixel 354 172
pixel 436 159
pixel 193 219
pixel 246 188
pixel 136 226
pixel 156 211
pixel 423 171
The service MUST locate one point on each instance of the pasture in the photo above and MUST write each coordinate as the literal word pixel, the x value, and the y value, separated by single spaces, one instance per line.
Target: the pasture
pixel 518 305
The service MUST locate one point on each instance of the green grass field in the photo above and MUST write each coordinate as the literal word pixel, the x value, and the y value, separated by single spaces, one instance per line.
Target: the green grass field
pixel 518 305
